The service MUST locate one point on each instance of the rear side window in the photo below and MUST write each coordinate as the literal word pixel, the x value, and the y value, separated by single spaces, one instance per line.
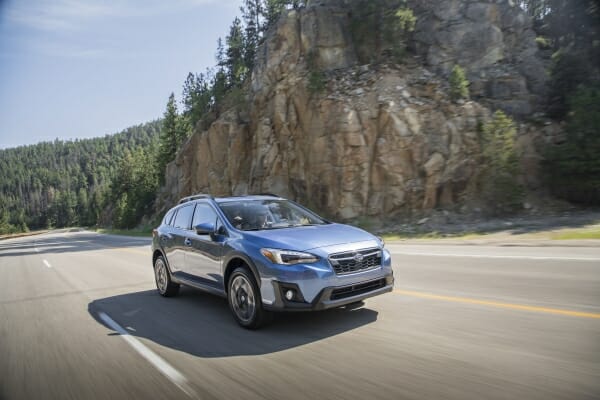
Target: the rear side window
pixel 183 219
pixel 167 219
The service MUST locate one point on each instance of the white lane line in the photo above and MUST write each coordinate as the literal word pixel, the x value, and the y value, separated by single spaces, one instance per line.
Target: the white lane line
pixel 159 363
pixel 47 264
pixel 514 257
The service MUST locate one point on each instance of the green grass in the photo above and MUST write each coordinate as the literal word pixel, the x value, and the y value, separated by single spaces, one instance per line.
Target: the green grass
pixel 126 232
pixel 431 235
pixel 589 232
pixel 574 234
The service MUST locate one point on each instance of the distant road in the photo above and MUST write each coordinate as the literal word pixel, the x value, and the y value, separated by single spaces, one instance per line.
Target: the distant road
pixel 80 319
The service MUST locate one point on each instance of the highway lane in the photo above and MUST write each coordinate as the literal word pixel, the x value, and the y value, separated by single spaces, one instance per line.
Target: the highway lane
pixel 453 329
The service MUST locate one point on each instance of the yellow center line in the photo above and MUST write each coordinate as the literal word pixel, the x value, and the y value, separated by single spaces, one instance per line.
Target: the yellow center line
pixel 489 303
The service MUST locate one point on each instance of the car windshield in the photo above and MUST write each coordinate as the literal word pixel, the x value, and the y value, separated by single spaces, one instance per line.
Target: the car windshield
pixel 253 215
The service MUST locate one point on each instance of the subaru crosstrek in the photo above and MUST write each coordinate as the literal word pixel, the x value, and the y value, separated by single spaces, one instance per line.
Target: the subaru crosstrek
pixel 265 253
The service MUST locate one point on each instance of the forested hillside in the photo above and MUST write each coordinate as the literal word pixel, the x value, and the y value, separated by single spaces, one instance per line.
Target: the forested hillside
pixel 66 183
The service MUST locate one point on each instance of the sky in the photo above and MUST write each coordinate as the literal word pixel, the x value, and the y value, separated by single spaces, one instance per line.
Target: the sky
pixel 86 68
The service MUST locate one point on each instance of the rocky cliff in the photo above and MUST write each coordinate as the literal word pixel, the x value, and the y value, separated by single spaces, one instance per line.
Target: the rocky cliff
pixel 373 138
pixel 493 40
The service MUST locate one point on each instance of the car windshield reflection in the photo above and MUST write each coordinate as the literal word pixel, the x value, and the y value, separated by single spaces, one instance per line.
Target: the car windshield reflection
pixel 257 215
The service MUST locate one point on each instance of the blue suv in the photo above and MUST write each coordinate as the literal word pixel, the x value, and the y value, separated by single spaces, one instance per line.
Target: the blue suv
pixel 265 253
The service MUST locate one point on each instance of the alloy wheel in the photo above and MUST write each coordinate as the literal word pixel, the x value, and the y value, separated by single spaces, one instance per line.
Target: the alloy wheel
pixel 242 298
pixel 160 272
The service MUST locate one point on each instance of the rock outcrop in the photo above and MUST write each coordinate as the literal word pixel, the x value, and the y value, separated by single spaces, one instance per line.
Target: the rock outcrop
pixel 493 40
pixel 377 140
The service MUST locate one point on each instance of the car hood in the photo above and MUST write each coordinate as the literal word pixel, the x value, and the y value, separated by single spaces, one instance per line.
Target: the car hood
pixel 302 238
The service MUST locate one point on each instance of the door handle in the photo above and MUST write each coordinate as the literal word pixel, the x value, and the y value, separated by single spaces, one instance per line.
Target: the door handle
pixel 187 242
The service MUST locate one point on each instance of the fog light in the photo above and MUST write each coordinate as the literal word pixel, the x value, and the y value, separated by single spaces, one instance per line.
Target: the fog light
pixel 289 294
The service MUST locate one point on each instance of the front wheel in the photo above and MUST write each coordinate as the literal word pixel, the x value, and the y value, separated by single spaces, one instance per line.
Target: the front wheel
pixel 244 300
pixel 166 287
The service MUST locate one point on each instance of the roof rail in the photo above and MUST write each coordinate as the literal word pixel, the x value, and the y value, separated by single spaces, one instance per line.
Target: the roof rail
pixel 195 197
pixel 268 194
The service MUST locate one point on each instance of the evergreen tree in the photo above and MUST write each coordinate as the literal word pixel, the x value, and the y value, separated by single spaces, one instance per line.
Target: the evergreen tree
pixel 251 14
pixel 169 137
pixel 220 55
pixel 571 30
pixel 572 168
pixel 197 97
pixel 133 189
pixel 500 165
pixel 273 9
pixel 5 225
pixel 459 85
pixel 235 67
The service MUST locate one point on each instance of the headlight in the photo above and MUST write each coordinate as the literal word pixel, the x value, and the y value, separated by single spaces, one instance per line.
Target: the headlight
pixel 288 257
pixel 382 241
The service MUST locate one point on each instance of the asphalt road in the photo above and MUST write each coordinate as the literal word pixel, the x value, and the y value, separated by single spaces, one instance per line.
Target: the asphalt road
pixel 80 319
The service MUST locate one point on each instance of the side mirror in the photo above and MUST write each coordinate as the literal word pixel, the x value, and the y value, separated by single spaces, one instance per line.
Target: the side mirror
pixel 205 229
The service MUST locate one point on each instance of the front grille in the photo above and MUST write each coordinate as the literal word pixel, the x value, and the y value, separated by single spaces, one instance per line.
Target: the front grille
pixel 354 261
pixel 357 289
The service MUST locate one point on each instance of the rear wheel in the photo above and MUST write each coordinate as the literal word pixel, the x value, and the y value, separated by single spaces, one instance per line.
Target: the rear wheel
pixel 164 284
pixel 245 301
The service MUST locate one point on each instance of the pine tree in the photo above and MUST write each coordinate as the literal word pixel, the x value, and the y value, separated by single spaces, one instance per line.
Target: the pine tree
pixel 459 85
pixel 169 137
pixel 235 67
pixel 572 168
pixel 196 98
pixel 219 79
pixel 273 9
pixel 133 189
pixel 251 13
pixel 500 165
pixel 220 55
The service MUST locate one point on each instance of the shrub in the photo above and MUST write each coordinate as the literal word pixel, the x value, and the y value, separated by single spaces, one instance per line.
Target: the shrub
pixel 459 85
pixel 316 77
pixel 381 29
pixel 569 71
pixel 543 43
pixel 500 165
pixel 406 19
pixel 396 28
pixel 316 81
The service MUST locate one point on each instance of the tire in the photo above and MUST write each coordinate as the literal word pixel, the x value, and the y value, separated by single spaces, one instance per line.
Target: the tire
pixel 166 287
pixel 244 300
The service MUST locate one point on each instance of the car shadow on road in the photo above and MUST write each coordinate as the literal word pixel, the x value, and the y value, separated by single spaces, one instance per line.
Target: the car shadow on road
pixel 77 242
pixel 201 324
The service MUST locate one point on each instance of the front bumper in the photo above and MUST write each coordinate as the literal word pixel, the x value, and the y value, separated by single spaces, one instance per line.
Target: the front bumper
pixel 330 297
